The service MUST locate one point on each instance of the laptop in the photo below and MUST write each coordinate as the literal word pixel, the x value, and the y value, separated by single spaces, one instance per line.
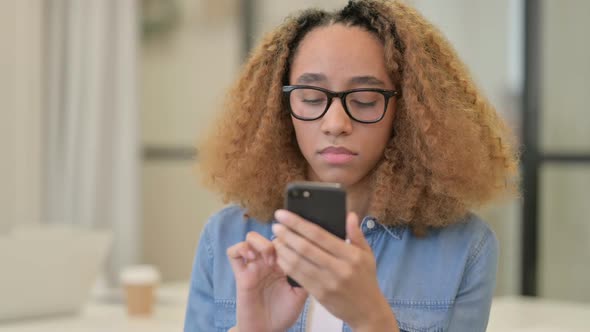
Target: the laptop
pixel 48 269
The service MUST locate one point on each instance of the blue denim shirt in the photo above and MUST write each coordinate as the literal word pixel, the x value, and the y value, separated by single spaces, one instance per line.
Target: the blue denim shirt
pixel 442 282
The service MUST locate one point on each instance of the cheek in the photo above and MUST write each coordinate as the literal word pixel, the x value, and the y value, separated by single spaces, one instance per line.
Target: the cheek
pixel 376 140
pixel 304 135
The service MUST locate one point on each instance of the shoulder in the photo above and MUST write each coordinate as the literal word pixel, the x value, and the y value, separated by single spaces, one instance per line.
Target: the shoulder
pixel 230 225
pixel 461 243
pixel 225 219
pixel 471 226
pixel 473 235
pixel 465 251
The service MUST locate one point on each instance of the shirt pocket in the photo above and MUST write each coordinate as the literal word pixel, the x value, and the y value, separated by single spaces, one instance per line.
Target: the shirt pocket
pixel 421 316
pixel 225 315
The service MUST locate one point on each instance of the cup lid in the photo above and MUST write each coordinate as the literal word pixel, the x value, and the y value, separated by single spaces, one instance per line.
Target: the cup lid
pixel 140 274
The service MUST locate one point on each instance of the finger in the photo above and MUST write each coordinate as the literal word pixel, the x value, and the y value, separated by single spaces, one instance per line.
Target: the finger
pixel 294 265
pixel 354 233
pixel 309 285
pixel 314 233
pixel 262 246
pixel 304 247
pixel 239 254
pixel 241 250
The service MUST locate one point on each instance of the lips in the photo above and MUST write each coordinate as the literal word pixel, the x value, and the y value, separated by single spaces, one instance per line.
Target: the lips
pixel 336 150
pixel 337 155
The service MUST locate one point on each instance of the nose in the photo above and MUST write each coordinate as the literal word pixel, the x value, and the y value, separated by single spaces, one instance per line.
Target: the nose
pixel 336 122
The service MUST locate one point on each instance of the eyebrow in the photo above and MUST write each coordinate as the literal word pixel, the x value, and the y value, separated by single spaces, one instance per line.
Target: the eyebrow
pixel 368 80
pixel 308 78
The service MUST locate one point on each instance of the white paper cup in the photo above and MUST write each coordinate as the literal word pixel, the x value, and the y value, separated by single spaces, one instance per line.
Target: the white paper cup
pixel 140 283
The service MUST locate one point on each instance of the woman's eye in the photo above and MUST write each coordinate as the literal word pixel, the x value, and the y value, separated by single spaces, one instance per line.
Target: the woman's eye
pixel 314 101
pixel 364 103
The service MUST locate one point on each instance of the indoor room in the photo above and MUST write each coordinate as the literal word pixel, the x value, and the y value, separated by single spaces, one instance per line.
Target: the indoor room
pixel 107 185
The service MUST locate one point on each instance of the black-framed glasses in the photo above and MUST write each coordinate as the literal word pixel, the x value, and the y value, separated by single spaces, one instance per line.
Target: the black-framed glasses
pixel 365 105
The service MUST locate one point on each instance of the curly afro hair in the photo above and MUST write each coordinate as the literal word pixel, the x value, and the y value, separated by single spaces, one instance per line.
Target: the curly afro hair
pixel 450 152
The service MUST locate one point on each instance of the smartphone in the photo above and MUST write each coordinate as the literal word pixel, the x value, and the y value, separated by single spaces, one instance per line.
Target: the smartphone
pixel 321 203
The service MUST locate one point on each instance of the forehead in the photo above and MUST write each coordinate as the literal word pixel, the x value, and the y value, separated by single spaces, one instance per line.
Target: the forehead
pixel 339 52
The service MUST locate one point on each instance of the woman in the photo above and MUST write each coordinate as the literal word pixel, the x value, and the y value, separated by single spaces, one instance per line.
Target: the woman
pixel 374 98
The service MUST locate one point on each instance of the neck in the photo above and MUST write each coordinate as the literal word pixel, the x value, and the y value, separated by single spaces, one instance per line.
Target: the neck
pixel 358 197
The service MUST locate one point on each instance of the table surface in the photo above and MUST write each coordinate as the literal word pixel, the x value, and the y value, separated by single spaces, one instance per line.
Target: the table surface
pixel 509 314
pixel 106 312
pixel 526 314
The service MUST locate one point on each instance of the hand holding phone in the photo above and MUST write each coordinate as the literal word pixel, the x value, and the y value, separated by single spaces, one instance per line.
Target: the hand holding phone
pixel 321 203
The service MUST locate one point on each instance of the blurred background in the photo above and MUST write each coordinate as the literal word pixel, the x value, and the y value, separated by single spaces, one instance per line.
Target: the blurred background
pixel 102 102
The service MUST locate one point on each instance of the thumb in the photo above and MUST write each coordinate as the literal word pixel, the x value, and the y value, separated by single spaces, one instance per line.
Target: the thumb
pixel 354 233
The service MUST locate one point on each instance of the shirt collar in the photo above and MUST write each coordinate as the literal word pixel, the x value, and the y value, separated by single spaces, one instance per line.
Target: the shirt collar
pixel 396 232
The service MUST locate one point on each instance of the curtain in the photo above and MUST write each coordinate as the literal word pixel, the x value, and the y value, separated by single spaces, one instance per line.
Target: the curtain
pixel 90 121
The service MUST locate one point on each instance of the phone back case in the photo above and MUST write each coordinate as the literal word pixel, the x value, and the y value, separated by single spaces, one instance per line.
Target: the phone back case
pixel 321 203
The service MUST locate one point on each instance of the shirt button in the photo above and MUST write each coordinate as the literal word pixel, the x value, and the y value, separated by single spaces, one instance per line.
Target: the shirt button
pixel 370 224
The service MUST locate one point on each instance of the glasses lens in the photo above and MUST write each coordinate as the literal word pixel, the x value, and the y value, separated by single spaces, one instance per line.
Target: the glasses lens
pixel 366 105
pixel 308 103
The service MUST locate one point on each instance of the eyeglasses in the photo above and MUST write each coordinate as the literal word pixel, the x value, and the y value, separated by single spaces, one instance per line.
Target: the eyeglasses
pixel 365 105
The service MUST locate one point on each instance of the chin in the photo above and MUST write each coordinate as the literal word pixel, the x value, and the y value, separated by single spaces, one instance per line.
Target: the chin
pixel 345 180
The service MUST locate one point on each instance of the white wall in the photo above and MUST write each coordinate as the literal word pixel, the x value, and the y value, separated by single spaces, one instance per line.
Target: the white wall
pixel 564 262
pixel 20 79
pixel 184 75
